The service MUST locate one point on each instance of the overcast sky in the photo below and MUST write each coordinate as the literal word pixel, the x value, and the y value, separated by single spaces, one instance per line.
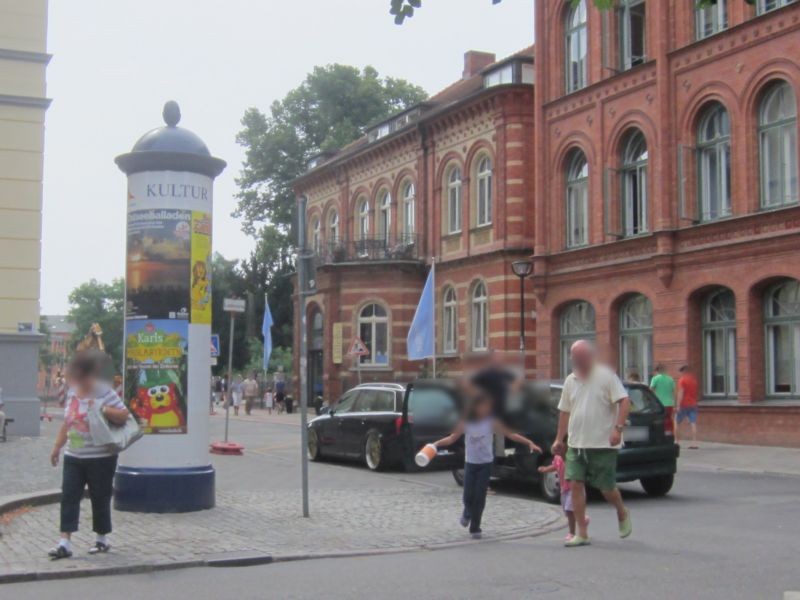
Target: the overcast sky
pixel 116 62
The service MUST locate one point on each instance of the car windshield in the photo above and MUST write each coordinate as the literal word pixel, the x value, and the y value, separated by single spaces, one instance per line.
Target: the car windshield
pixel 432 406
pixel 643 401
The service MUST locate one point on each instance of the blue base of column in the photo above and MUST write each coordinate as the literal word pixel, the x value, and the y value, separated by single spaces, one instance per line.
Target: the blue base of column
pixel 164 490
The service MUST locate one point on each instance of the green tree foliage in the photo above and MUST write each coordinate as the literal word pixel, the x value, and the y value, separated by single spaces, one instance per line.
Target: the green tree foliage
pixel 103 303
pixel 46 358
pixel 228 281
pixel 402 9
pixel 331 108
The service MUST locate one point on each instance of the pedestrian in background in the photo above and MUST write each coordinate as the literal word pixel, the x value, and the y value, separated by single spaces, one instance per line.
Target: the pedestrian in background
pixel 687 403
pixel 663 387
pixel 84 463
pixel 250 391
pixel 269 400
pixel 593 409
pixel 236 394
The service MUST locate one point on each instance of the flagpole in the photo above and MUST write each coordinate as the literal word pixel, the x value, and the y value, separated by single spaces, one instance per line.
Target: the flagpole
pixel 433 320
pixel 264 391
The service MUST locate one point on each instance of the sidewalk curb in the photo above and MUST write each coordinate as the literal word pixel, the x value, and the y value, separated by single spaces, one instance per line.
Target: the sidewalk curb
pixel 239 558
pixel 711 468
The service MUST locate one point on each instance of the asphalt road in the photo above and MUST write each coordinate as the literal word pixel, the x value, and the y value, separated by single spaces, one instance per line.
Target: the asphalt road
pixel 717 535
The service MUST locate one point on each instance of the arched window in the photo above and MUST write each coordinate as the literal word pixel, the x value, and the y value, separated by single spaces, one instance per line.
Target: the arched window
pixel 778 140
pixel 316 235
pixel 385 216
pixel 316 342
pixel 480 317
pixel 575 47
pixel 409 212
pixel 484 199
pixel 711 19
pixel 768 5
pixel 449 321
pixel 363 219
pixel 714 164
pixel 454 200
pixel 632 28
pixel 636 337
pixel 634 184
pixel 782 320
pixel 333 228
pixel 373 326
pixel 719 344
pixel 577 200
pixel 577 323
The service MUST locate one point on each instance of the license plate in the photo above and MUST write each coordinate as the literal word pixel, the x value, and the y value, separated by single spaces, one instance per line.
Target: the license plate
pixel 636 434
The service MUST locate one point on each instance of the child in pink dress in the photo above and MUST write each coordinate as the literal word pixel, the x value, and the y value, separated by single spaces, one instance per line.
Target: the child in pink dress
pixel 559 466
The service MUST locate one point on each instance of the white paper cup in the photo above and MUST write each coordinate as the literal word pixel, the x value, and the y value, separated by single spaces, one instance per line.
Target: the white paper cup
pixel 425 456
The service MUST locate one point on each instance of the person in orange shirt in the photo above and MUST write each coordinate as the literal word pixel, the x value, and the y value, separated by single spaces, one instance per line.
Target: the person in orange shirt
pixel 687 403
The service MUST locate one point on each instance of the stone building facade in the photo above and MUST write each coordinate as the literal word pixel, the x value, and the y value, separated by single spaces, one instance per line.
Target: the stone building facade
pixel 666 200
pixel 444 181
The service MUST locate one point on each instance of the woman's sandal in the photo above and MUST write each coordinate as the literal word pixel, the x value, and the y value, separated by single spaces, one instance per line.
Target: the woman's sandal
pixel 99 547
pixel 59 552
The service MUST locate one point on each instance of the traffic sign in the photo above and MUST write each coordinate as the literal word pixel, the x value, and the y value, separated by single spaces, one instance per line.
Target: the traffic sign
pixel 235 305
pixel 214 345
pixel 358 348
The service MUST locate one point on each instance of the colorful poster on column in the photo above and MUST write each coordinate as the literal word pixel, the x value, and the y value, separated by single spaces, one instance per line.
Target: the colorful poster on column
pixel 201 268
pixel 156 374
pixel 159 255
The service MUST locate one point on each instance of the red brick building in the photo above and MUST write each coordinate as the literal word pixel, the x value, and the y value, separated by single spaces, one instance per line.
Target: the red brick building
pixel 449 179
pixel 667 222
pixel 61 329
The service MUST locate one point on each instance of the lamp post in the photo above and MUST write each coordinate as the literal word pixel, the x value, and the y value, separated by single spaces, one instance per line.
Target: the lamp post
pixel 522 268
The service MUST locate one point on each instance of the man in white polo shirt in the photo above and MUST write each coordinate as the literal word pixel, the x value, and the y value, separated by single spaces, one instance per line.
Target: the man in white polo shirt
pixel 594 407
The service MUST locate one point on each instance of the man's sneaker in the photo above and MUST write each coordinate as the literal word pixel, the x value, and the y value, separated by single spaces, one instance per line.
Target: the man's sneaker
pixel 626 526
pixel 476 535
pixel 576 541
pixel 59 552
pixel 463 521
pixel 99 547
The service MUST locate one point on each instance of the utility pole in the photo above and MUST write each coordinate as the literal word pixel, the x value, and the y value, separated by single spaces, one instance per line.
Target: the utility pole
pixel 302 282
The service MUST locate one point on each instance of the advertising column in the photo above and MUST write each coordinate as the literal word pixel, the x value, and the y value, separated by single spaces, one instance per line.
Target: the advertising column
pixel 168 321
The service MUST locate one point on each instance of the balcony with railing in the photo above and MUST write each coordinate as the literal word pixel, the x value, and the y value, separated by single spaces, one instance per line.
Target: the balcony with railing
pixel 401 248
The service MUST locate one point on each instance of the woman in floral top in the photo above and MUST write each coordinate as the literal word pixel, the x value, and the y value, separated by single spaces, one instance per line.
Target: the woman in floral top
pixel 84 463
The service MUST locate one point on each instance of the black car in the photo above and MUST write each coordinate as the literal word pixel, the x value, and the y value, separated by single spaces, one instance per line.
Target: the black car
pixel 384 423
pixel 649 453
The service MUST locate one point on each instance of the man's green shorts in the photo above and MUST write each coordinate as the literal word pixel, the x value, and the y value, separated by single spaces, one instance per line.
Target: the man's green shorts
pixel 596 466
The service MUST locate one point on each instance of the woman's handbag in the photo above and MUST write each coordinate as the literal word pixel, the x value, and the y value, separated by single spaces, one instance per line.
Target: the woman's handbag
pixel 115 437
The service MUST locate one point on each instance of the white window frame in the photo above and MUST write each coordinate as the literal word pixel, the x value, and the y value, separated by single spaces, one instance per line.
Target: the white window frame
pixel 634 204
pixel 785 129
pixel 449 321
pixel 385 217
pixel 333 227
pixel 363 219
pixel 577 200
pixel 765 6
pixel 719 329
pixel 710 152
pixel 625 11
pixel 710 20
pixel 374 321
pixel 484 196
pixel 772 323
pixel 580 313
pixel 409 212
pixel 480 317
pixel 316 235
pixel 454 200
pixel 576 44
pixel 639 332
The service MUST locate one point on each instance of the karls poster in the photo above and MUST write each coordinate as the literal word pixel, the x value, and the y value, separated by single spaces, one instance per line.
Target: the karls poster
pixel 156 370
pixel 168 291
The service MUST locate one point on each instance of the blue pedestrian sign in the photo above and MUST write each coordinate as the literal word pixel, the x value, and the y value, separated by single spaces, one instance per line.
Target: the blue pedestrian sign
pixel 214 345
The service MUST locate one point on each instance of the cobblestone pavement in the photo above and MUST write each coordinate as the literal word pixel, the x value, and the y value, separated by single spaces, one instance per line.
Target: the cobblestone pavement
pixel 25 462
pixel 343 521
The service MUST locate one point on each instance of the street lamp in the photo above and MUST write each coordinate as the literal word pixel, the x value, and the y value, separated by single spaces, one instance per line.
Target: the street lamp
pixel 522 268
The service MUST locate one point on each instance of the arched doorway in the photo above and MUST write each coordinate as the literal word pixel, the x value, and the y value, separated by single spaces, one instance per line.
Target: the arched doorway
pixel 315 356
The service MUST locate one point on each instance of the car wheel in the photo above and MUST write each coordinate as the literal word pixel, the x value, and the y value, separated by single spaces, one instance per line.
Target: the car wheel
pixel 373 452
pixel 313 446
pixel 550 487
pixel 458 475
pixel 657 486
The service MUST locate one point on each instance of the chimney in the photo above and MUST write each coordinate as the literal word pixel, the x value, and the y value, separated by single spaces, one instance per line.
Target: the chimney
pixel 474 61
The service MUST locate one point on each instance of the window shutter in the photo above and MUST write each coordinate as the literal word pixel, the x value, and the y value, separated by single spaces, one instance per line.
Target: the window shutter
pixel 605 38
pixel 608 204
pixel 687 204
